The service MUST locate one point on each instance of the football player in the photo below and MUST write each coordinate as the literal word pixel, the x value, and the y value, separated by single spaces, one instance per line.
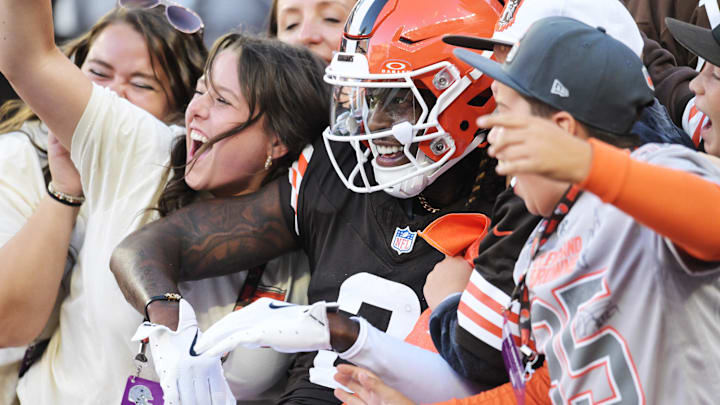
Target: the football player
pixel 402 151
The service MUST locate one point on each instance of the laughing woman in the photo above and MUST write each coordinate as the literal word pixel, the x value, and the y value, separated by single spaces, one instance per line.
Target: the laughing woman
pixel 128 51
pixel 258 103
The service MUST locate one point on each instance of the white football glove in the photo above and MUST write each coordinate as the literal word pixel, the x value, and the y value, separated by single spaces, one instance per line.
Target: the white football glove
pixel 284 327
pixel 185 377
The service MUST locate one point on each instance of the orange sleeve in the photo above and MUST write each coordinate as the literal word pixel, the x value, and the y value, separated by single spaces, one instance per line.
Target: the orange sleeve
pixel 536 393
pixel 678 205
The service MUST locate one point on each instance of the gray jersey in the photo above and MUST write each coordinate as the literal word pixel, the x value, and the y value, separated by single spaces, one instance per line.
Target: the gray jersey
pixel 622 316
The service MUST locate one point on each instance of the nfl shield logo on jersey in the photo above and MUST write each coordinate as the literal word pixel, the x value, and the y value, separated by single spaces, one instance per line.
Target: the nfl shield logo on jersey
pixel 403 240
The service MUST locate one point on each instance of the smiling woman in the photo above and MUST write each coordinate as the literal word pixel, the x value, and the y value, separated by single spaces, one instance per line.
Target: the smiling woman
pixel 216 167
pixel 241 135
pixel 41 234
pixel 316 24
pixel 118 60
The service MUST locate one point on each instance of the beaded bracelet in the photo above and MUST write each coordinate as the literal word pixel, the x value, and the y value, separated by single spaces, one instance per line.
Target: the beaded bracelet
pixel 64 198
pixel 165 297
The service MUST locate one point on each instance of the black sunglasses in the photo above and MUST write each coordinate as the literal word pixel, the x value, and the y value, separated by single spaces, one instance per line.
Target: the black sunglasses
pixel 181 18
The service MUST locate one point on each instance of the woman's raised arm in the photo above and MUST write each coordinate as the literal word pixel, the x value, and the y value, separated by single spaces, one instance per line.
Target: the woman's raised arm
pixel 41 74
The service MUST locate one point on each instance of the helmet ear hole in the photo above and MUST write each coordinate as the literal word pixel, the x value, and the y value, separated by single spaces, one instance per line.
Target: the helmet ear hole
pixel 464 125
pixel 481 99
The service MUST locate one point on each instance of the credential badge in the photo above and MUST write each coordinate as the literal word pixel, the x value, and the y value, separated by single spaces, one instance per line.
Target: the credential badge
pixel 403 240
pixel 140 395
pixel 139 391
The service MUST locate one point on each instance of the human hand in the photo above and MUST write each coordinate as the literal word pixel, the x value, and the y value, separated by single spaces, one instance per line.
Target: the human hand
pixel 65 176
pixel 185 377
pixel 449 276
pixel 270 323
pixel 368 388
pixel 528 144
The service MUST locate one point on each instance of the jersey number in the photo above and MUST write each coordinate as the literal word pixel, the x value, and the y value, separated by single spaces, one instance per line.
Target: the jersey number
pixel 586 346
pixel 388 305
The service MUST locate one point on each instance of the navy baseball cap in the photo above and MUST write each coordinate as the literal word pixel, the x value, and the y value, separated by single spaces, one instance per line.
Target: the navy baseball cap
pixel 575 68
pixel 701 41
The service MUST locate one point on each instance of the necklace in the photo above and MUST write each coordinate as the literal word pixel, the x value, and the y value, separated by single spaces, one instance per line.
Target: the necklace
pixel 429 208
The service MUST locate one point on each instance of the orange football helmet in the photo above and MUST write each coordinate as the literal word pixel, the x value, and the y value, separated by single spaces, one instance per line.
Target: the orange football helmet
pixel 401 98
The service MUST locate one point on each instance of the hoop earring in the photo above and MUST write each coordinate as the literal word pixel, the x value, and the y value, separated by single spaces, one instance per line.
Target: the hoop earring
pixel 268 162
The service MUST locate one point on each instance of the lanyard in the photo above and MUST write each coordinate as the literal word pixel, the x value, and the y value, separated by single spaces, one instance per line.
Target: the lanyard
pixel 518 372
pixel 521 294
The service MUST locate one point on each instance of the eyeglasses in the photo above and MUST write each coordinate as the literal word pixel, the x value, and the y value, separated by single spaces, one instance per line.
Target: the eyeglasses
pixel 181 18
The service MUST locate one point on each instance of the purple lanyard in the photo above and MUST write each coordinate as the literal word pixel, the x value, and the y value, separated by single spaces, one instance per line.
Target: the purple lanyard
pixel 518 372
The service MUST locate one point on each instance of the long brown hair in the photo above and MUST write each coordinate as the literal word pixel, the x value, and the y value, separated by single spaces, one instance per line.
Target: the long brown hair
pixel 181 56
pixel 272 24
pixel 283 84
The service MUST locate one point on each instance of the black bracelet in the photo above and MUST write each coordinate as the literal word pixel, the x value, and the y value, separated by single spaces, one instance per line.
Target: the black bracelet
pixel 63 198
pixel 175 297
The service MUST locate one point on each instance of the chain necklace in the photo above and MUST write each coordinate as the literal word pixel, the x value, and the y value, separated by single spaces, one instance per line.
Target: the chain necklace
pixel 429 208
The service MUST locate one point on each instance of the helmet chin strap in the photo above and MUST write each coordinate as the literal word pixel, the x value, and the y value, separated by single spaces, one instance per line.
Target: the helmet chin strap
pixel 406 189
pixel 416 184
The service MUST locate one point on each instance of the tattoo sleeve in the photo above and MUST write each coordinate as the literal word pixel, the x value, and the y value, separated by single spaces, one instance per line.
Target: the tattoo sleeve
pixel 205 239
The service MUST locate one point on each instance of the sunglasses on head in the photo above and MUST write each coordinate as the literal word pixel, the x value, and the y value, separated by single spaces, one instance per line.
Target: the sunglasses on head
pixel 181 18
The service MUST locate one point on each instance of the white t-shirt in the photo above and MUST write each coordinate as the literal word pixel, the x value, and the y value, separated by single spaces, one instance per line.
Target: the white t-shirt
pixel 620 314
pixel 22 186
pixel 122 153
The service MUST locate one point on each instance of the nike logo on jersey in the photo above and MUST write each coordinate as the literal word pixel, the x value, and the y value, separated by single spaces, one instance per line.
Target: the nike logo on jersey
pixel 193 353
pixel 272 305
pixel 500 233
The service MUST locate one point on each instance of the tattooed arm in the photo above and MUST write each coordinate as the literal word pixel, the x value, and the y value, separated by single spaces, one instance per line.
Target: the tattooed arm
pixel 205 239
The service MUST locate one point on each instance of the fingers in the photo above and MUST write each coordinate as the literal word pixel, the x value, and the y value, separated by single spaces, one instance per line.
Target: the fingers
pixel 169 384
pixel 344 373
pixel 361 381
pixel 217 349
pixel 514 166
pixel 247 338
pixel 501 120
pixel 236 321
pixel 215 334
pixel 348 398
pixel 186 387
pixel 219 388
pixel 202 390
pixel 229 396
pixel 513 141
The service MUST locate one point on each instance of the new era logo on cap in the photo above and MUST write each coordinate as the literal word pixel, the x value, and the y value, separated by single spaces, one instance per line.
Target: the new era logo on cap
pixel 559 89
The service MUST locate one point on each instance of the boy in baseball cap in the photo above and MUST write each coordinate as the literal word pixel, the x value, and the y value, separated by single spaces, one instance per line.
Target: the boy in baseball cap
pixel 612 280
pixel 461 335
